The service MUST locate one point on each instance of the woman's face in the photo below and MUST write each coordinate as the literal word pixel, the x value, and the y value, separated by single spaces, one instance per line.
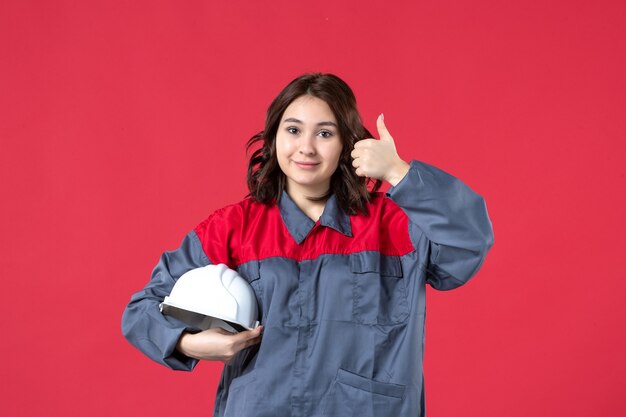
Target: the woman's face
pixel 308 146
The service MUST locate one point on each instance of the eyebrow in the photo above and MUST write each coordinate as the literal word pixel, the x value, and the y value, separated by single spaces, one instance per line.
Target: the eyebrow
pixel 294 120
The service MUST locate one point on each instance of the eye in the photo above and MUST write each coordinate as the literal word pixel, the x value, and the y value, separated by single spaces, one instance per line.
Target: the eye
pixel 293 130
pixel 326 133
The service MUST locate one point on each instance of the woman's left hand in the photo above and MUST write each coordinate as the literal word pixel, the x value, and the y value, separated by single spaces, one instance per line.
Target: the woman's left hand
pixel 379 159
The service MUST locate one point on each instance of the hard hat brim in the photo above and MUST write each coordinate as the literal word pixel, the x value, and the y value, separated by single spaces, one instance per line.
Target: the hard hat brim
pixel 201 321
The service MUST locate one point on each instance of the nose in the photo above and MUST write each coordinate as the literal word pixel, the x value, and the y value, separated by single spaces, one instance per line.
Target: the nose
pixel 306 145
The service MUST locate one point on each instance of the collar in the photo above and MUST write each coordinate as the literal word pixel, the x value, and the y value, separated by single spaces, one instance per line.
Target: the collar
pixel 299 224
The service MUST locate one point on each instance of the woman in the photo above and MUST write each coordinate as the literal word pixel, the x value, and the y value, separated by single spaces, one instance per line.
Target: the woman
pixel 339 271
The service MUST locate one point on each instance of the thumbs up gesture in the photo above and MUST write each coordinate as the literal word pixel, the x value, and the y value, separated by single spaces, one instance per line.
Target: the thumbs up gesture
pixel 379 159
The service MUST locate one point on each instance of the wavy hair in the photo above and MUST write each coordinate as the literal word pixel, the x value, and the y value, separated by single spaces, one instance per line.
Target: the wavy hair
pixel 266 181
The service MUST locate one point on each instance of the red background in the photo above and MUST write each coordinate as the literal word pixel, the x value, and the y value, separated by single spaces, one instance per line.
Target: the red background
pixel 123 125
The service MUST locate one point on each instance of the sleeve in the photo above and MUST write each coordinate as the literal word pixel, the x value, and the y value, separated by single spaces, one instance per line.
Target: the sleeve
pixel 447 220
pixel 143 325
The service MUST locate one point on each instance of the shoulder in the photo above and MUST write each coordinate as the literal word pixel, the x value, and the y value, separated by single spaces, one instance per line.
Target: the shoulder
pixel 220 234
pixel 381 205
pixel 386 228
pixel 383 212
pixel 232 214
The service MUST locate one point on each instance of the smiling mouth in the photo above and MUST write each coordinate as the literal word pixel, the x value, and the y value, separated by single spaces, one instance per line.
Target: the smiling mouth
pixel 306 164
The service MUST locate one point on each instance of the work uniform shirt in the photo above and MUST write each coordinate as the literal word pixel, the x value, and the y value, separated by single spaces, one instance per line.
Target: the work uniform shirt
pixel 342 299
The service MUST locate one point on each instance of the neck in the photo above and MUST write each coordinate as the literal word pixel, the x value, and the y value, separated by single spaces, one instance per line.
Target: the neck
pixel 313 209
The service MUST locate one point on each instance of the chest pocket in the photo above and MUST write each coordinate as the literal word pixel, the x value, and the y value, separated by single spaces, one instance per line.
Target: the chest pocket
pixel 379 289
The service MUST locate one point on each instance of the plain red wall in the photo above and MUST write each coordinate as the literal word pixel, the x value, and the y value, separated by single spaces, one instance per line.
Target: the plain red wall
pixel 123 123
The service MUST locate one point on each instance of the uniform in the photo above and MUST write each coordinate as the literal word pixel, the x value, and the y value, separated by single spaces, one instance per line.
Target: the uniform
pixel 342 300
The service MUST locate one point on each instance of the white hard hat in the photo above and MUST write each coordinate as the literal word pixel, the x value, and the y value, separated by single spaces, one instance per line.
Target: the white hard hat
pixel 213 296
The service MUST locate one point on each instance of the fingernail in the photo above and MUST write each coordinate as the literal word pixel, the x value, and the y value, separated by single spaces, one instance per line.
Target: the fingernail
pixel 382 116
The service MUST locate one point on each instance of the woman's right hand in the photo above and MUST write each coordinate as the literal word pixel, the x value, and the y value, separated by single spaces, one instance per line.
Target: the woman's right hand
pixel 217 344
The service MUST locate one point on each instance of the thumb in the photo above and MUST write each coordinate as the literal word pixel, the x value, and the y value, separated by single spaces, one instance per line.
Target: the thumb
pixel 246 335
pixel 252 337
pixel 251 334
pixel 383 133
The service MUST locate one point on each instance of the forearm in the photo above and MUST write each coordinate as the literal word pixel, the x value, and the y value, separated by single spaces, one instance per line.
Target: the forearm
pixel 450 216
pixel 216 344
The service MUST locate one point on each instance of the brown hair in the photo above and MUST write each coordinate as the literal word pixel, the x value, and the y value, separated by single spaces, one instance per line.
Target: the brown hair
pixel 266 181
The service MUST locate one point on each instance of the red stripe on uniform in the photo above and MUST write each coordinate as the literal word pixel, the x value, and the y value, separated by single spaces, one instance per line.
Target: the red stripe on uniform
pixel 250 230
